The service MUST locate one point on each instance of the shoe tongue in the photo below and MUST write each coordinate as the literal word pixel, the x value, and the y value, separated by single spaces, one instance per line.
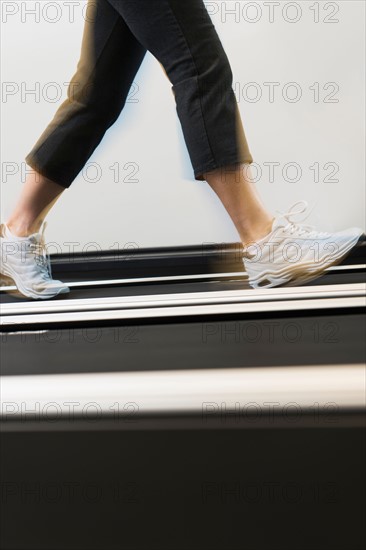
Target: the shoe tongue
pixel 35 237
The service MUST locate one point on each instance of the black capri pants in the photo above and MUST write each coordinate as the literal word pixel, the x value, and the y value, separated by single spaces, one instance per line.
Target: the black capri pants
pixel 116 37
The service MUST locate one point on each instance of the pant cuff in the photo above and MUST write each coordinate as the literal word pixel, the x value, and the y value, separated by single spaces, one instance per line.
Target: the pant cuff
pixel 46 172
pixel 198 172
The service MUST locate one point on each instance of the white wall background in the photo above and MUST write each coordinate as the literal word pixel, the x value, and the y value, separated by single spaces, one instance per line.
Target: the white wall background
pixel 321 50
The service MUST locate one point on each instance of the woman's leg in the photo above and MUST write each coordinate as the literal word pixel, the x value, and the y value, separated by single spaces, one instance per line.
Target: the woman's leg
pixel 181 35
pixel 183 38
pixel 109 60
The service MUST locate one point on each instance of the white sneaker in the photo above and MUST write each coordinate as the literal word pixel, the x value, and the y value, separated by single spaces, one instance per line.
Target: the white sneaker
pixel 293 254
pixel 25 260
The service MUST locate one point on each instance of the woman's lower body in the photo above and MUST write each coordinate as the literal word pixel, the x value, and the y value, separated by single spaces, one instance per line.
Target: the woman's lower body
pixel 117 35
pixel 182 37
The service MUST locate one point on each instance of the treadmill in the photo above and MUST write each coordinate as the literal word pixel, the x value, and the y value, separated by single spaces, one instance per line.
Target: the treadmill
pixel 165 404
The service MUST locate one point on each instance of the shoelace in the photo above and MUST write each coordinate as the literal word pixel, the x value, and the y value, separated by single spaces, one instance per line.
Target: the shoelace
pixel 41 257
pixel 299 228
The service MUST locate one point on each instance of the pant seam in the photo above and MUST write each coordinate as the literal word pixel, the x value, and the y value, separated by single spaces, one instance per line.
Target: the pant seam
pixel 197 75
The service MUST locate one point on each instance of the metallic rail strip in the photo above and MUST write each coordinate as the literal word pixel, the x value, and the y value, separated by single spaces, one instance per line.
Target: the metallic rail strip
pixel 298 388
pixel 355 290
pixel 165 312
pixel 237 275
pixel 146 280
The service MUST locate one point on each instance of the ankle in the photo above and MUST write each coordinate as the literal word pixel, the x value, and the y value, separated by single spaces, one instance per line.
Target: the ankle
pixel 255 232
pixel 21 229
